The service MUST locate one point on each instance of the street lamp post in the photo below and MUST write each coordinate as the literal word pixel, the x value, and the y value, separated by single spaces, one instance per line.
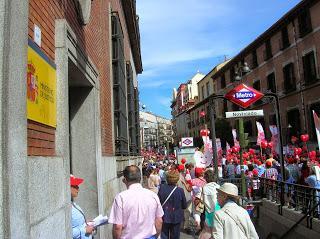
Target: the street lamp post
pixel 242 69
pixel 277 110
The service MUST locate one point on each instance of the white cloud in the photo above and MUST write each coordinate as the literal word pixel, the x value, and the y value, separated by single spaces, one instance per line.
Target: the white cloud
pixel 165 101
pixel 147 83
pixel 182 30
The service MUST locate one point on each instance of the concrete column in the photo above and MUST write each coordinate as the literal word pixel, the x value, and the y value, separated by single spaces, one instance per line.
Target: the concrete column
pixel 62 130
pixel 14 219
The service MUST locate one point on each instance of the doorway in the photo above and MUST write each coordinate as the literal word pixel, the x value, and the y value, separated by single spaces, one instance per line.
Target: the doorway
pixel 82 138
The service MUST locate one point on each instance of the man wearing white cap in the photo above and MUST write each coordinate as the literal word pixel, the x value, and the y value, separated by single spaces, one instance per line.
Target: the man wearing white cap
pixel 232 221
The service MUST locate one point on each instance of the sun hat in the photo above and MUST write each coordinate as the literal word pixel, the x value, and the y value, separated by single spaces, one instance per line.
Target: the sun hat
pixel 74 181
pixel 229 189
pixel 173 177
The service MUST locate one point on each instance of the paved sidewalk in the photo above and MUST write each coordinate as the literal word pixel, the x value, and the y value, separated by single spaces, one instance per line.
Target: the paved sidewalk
pixel 186 236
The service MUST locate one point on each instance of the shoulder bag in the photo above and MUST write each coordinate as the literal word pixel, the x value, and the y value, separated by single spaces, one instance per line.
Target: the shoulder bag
pixel 169 196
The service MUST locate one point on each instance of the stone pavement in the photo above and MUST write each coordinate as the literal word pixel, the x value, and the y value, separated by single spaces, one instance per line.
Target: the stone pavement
pixel 186 236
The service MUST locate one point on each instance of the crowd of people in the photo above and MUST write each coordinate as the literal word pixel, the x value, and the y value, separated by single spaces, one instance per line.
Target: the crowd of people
pixel 193 202
pixel 167 196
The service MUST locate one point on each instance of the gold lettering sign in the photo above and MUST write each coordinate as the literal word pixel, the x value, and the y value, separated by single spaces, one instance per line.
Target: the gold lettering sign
pixel 41 87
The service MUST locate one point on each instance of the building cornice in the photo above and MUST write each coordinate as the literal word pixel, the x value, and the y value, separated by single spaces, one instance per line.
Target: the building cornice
pixel 132 21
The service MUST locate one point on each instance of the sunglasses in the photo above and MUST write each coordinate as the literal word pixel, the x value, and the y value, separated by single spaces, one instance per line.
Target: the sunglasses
pixel 74 186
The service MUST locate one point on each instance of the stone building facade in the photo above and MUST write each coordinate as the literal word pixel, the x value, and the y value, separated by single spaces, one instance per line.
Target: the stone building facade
pixel 155 131
pixel 94 49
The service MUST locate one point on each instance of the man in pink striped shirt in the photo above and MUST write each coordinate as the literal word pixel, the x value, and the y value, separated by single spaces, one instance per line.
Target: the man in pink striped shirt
pixel 136 213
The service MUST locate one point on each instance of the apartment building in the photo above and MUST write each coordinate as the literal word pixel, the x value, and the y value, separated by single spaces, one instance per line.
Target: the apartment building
pixel 284 60
pixel 156 131
pixel 199 115
pixel 184 98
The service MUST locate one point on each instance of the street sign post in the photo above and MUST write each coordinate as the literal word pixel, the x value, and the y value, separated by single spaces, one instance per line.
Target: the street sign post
pixel 243 95
pixel 241 114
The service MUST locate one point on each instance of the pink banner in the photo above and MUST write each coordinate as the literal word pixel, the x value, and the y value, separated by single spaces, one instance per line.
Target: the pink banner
pixel 261 136
pixel 274 138
pixel 235 141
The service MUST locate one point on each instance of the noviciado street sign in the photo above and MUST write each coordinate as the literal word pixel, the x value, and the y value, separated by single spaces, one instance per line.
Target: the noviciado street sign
pixel 241 114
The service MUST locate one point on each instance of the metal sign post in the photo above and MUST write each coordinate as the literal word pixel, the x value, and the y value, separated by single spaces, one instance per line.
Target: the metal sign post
pixel 213 133
pixel 241 139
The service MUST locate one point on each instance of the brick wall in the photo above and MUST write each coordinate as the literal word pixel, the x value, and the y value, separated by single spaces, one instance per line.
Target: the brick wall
pixel 95 42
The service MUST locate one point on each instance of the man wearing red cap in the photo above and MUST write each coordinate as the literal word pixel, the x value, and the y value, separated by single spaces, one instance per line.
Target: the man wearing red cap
pixel 80 228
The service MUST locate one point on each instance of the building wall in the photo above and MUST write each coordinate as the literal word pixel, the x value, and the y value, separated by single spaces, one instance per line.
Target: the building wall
pixel 95 33
pixel 35 159
pixel 304 95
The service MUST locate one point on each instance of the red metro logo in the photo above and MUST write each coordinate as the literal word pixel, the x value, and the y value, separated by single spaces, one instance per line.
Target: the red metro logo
pixel 243 95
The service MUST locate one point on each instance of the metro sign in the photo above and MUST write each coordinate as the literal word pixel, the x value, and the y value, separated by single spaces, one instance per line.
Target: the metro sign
pixel 243 95
pixel 187 142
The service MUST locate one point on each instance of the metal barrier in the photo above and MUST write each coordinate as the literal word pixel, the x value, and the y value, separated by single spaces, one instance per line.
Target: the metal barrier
pixel 294 196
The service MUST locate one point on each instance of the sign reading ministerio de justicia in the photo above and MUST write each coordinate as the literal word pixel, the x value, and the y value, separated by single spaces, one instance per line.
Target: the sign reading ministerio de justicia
pixel 41 87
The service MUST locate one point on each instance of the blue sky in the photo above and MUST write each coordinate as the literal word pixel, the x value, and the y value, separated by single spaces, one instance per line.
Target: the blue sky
pixel 181 37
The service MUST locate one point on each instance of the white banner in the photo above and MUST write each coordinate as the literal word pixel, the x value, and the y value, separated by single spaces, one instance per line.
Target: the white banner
pixel 235 141
pixel 274 138
pixel 228 146
pixel 261 136
pixel 317 126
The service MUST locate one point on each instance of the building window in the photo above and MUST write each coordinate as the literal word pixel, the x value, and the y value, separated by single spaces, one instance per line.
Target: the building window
pixel 289 78
pixel 293 118
pixel 304 20
pixel 223 81
pixel 202 91
pixel 254 59
pixel 208 88
pixel 285 38
pixel 119 88
pixel 271 82
pixel 137 124
pixel 256 85
pixel 272 119
pixel 232 74
pixel 131 102
pixel 208 113
pixel 309 68
pixel 268 50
